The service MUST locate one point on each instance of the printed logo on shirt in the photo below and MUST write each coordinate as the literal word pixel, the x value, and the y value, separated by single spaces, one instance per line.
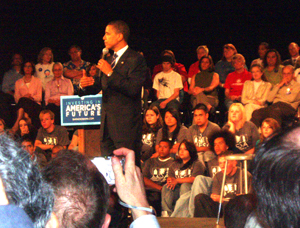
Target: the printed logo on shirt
pixel 241 142
pixel 183 173
pixel 40 69
pixel 230 190
pixel 201 141
pixel 214 170
pixel 160 174
pixel 164 82
pixel 47 73
pixel 50 141
pixel 148 139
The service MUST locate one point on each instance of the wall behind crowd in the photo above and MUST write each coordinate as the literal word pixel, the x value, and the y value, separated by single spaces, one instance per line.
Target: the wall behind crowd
pixel 28 26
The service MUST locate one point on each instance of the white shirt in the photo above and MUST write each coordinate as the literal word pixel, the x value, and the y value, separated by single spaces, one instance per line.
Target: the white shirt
pixel 120 53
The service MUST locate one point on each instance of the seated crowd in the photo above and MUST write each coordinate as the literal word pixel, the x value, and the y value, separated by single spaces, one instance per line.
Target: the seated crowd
pixel 182 159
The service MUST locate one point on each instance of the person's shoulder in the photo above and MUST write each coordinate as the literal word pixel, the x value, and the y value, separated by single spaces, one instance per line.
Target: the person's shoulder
pixel 183 128
pixel 60 128
pixel 192 127
pixel 250 124
pixel 214 125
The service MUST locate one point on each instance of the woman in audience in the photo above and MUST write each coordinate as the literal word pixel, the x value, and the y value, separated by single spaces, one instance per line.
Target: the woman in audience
pixel 28 96
pixel 58 86
pixel 246 133
pixel 224 67
pixel 203 85
pixel 269 127
pixel 26 128
pixel 152 123
pixel 43 70
pixel 172 130
pixel 93 71
pixel 255 92
pixel 262 50
pixel 181 176
pixel 273 67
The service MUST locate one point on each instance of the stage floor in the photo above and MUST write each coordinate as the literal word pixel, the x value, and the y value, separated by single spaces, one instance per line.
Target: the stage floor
pixel 189 222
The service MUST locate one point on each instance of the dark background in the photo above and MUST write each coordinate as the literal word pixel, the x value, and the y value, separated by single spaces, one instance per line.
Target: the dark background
pixel 27 26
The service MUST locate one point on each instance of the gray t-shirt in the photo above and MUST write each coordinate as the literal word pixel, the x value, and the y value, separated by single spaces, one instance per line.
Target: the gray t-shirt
pixel 157 170
pixel 192 171
pixel 59 136
pixel 182 134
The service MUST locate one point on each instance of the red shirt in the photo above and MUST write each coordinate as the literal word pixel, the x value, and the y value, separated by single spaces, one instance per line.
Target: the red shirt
pixel 235 82
pixel 178 67
pixel 194 69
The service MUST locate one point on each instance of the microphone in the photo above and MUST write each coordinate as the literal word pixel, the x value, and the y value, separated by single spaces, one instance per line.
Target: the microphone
pixel 104 53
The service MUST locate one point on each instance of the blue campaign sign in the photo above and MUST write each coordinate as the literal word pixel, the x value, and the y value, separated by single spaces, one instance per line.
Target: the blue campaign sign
pixel 78 111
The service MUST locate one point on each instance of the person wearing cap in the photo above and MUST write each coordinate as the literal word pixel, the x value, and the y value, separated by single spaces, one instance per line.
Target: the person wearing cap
pixel 167 84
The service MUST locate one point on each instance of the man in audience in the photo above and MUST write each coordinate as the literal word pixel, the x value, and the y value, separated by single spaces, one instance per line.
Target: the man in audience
pixel 220 142
pixel 200 132
pixel 24 185
pixel 207 206
pixel 50 135
pixel 156 172
pixel 167 85
pixel 285 97
pixel 276 181
pixel 235 81
pixel 28 145
pixel 82 194
pixel 74 68
pixel 10 77
pixel 194 68
pixel 295 57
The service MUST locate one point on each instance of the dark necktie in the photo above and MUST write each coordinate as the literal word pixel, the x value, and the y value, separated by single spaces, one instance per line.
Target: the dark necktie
pixel 113 62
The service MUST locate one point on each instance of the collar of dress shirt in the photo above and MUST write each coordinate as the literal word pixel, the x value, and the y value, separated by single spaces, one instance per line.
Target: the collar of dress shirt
pixel 120 53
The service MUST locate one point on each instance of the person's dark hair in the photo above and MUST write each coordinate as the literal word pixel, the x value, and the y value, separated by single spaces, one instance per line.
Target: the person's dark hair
pixel 165 129
pixel 89 68
pixel 238 209
pixel 267 46
pixel 81 192
pixel 27 138
pixel 23 182
pixel 201 106
pixel 278 62
pixel 167 141
pixel 276 180
pixel 170 53
pixel 13 56
pixel 228 137
pixel 168 58
pixel 32 66
pixel 121 27
pixel 211 67
pixel 75 46
pixel 193 153
pixel 263 77
pixel 146 127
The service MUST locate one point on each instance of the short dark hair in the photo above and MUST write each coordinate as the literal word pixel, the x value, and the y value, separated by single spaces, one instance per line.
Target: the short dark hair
pixel 165 130
pixel 276 180
pixel 278 62
pixel 81 192
pixel 32 64
pixel 228 137
pixel 167 141
pixel 201 106
pixel 211 67
pixel 121 27
pixel 238 209
pixel 23 182
pixel 192 151
pixel 75 46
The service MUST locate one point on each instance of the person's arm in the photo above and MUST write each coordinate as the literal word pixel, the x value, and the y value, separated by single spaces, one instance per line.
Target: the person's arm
pixel 192 85
pixel 215 197
pixel 272 94
pixel 63 139
pixel 37 96
pixel 73 74
pixel 39 144
pixel 130 184
pixel 74 142
pixel 245 93
pixel 47 94
pixel 214 83
pixel 17 94
pixel 70 88
pixel 264 95
pixel 163 104
pixel 150 184
pixel 227 92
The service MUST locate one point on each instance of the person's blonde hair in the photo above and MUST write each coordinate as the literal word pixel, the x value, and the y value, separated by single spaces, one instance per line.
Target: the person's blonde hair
pixel 42 53
pixel 42 113
pixel 242 109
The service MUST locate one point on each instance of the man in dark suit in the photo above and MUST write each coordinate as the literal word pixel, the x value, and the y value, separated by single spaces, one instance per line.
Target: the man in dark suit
pixel 295 57
pixel 122 79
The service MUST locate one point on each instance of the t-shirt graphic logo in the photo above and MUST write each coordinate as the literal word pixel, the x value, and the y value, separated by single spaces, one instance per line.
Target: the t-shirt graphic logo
pixel 230 190
pixel 163 82
pixel 183 173
pixel 148 139
pixel 215 169
pixel 50 140
pixel 241 142
pixel 201 141
pixel 160 174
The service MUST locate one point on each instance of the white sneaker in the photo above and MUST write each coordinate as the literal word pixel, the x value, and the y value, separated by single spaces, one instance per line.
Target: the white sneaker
pixel 164 214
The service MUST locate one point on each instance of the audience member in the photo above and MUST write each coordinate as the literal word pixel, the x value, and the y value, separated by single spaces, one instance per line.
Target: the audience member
pixel 167 84
pixel 269 128
pixel 199 133
pixel 285 97
pixel 235 81
pixel 272 66
pixel 24 185
pixel 57 87
pixel 220 142
pixel 182 174
pixel 255 92
pixel 203 84
pixel 10 77
pixel 295 57
pixel 28 145
pixel 50 135
pixel 93 71
pixel 224 66
pixel 44 68
pixel 194 68
pixel 246 133
pixel 28 96
pixel 207 206
pixel 25 128
pixel 74 142
pixel 171 130
pixel 151 124
pixel 156 172
pixel 74 68
pixel 262 50
pixel 276 181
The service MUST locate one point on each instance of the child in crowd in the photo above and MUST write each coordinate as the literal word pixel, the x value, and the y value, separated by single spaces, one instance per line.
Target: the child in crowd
pixel 269 127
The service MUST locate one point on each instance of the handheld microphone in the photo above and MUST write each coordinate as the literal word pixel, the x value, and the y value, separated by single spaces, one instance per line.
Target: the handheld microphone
pixel 104 52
